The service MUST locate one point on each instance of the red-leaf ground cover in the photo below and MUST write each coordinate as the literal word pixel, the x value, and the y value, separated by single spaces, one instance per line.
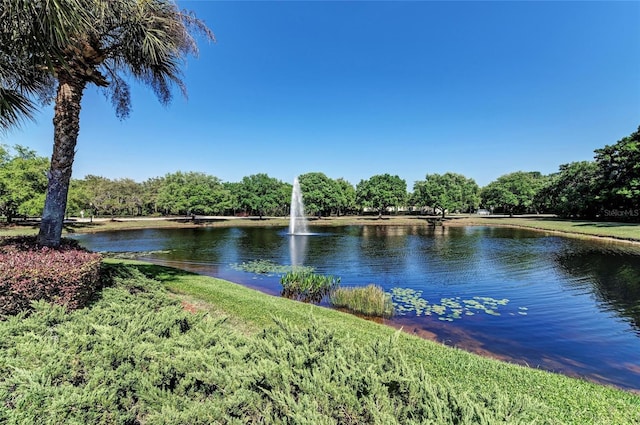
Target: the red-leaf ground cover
pixel 68 275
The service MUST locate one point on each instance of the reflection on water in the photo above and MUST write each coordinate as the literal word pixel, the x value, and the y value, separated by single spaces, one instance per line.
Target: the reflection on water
pixel 298 249
pixel 614 278
pixel 581 298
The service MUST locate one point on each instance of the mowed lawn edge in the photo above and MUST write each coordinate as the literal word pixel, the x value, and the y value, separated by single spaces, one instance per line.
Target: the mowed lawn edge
pixel 598 230
pixel 569 400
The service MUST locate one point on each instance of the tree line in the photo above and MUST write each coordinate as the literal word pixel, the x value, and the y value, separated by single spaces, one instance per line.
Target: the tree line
pixel 52 51
pixel 606 188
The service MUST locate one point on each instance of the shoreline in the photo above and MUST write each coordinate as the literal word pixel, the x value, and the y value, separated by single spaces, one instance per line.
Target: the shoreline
pixel 573 234
pixel 593 230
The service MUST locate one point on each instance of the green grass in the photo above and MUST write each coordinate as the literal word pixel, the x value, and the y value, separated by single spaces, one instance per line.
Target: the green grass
pixel 136 223
pixel 567 400
pixel 137 356
pixel 17 230
pixel 624 231
pixel 370 300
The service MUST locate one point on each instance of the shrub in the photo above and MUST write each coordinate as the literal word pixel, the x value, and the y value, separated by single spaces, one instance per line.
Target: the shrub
pixel 370 300
pixel 306 286
pixel 67 276
pixel 136 357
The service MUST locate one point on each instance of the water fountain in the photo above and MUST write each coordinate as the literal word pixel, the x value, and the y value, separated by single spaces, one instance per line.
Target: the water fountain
pixel 297 220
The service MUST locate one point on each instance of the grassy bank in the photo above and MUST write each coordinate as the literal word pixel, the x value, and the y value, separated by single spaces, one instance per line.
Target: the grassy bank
pixel 565 399
pixel 603 229
pixel 136 356
pixel 107 225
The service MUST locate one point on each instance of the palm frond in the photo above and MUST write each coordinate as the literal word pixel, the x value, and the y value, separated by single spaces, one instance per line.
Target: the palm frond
pixel 14 108
pixel 32 36
pixel 150 41
pixel 105 42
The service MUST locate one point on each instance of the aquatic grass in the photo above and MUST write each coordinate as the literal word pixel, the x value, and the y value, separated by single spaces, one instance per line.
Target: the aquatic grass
pixel 269 267
pixel 307 286
pixel 132 255
pixel 370 300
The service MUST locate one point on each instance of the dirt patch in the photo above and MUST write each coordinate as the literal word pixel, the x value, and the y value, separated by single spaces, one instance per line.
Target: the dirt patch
pixel 191 308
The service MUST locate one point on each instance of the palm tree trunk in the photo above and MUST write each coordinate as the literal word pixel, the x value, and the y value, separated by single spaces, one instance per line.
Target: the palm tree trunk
pixel 66 126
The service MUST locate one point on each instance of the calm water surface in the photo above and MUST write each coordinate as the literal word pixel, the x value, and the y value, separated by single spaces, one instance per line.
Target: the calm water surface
pixel 567 305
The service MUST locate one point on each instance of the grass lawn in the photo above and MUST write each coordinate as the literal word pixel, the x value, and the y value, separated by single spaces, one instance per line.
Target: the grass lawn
pixel 105 225
pixel 164 346
pixel 568 400
pixel 606 229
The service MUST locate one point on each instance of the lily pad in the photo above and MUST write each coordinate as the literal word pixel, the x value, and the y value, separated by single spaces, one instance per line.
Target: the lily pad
pixel 408 301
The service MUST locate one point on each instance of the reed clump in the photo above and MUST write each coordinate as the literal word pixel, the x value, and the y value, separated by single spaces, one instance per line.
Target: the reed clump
pixel 306 286
pixel 370 300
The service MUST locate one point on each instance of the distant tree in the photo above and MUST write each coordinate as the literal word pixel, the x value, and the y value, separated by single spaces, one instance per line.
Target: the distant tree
pixel 233 188
pixel 101 194
pixel 78 202
pixel 346 197
pixel 171 198
pixel 447 192
pixel 107 196
pixel 260 193
pixel 150 189
pixel 619 168
pixel 574 190
pixel 514 192
pixel 381 192
pixel 23 181
pixel 192 193
pixel 320 193
pixel 286 190
pixel 84 42
pixel 207 196
pixel 130 196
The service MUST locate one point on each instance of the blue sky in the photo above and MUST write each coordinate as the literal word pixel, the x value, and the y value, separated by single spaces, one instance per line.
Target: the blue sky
pixel 354 89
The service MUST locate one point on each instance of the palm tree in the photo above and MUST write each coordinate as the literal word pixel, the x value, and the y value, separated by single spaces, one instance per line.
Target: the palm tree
pixel 144 39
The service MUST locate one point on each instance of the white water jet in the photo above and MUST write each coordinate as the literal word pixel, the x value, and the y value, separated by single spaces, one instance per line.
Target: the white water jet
pixel 297 220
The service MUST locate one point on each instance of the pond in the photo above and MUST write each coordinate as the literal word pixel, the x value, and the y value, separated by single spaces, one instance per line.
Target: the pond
pixel 561 304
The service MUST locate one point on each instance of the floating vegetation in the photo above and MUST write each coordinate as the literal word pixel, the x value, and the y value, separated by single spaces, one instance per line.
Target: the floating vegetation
pixel 407 300
pixel 130 255
pixel 268 267
pixel 370 300
pixel 307 286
